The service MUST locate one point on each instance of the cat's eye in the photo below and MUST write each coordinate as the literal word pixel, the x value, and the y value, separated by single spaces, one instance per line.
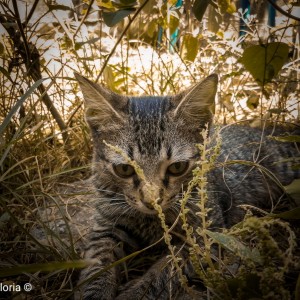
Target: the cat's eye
pixel 178 168
pixel 124 170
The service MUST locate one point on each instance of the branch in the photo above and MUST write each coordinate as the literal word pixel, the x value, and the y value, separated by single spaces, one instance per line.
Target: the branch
pixel 285 13
pixel 20 26
pixel 84 17
pixel 31 58
pixel 120 38
pixel 31 12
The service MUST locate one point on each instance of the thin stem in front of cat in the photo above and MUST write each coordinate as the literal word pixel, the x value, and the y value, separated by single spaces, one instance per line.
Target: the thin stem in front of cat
pixel 199 181
pixel 204 167
pixel 167 236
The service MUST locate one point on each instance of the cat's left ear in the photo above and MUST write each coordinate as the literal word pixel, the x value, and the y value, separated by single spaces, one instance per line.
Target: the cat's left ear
pixel 102 106
pixel 198 102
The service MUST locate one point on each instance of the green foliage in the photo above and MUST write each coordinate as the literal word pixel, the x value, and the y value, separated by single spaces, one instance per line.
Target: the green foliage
pixel 293 189
pixel 14 109
pixel 234 245
pixel 113 18
pixel 226 6
pixel 190 47
pixel 286 138
pixel 47 267
pixel 293 214
pixel 199 8
pixel 264 61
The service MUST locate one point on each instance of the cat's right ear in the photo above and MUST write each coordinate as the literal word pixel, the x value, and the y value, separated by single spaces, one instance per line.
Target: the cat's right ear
pixel 197 103
pixel 101 105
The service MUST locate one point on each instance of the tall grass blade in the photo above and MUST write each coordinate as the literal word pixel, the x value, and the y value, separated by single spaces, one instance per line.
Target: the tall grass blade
pixel 18 105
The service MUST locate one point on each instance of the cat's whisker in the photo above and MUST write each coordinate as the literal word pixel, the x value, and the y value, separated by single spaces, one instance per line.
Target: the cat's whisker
pixel 124 212
pixel 109 191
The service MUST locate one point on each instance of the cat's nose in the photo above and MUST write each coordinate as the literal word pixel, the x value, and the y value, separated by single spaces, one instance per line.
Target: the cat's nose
pixel 150 205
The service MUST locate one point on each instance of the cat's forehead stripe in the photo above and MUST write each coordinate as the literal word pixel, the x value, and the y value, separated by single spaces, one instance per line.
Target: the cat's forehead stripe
pixel 147 116
pixel 148 106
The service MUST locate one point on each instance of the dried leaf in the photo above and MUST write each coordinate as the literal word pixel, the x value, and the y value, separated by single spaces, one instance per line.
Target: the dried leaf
pixel 189 47
pixel 214 20
pixel 253 102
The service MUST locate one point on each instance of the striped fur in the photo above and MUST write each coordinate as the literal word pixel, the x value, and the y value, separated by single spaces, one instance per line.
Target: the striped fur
pixel 157 132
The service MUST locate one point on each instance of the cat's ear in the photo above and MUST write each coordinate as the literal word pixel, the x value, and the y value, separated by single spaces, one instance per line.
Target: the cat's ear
pixel 101 105
pixel 197 103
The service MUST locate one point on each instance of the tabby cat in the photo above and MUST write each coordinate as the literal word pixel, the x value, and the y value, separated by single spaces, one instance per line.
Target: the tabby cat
pixel 159 134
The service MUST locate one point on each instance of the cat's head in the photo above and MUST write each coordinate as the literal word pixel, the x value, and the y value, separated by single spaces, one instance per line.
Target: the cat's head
pixel 158 133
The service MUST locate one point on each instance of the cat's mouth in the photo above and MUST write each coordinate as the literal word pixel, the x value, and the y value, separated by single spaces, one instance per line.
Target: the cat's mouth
pixel 146 207
pixel 142 206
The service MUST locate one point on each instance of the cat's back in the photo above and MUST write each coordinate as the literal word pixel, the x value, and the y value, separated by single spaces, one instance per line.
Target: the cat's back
pixel 259 147
pixel 252 168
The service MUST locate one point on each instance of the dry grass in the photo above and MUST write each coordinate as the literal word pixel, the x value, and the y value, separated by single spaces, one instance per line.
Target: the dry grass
pixel 41 211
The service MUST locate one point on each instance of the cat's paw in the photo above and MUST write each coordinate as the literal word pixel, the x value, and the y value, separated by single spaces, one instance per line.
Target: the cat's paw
pixel 127 286
pixel 133 294
pixel 94 291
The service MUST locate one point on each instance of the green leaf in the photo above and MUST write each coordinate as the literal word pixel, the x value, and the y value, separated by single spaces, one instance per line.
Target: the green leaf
pixel 128 3
pixel 286 138
pixel 226 6
pixel 234 245
pixel 189 47
pixel 250 284
pixel 265 61
pixel 199 8
pixel 152 28
pixel 214 20
pixel 113 18
pixel 109 77
pixel 174 23
pixel 1 49
pixel 277 111
pixel 59 7
pixel 253 102
pixel 47 267
pixel 92 41
pixel 293 214
pixel 105 3
pixel 6 74
pixel 4 218
pixel 293 190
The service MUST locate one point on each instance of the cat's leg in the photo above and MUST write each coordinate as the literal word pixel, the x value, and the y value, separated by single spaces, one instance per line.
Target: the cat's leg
pixel 104 286
pixel 161 282
pixel 154 284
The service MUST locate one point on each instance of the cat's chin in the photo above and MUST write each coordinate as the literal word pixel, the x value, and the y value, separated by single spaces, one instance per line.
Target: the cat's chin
pixel 145 210
pixel 150 211
pixel 142 207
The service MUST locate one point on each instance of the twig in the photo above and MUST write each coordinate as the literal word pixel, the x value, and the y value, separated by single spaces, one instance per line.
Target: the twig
pixel 20 26
pixel 84 18
pixel 120 38
pixel 285 13
pixel 31 58
pixel 31 12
